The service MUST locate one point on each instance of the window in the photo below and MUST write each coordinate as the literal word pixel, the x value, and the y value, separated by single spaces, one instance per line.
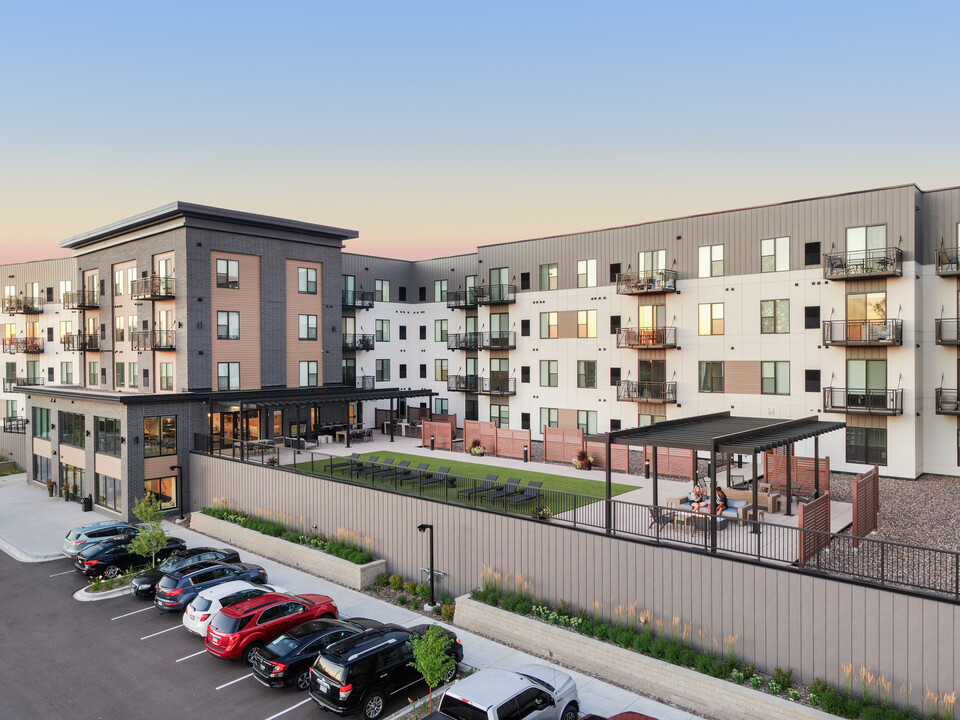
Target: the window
pixel 382 330
pixel 93 373
pixel 307 280
pixel 441 406
pixel 440 370
pixel 711 377
pixel 423 294
pixel 164 489
pixel 66 328
pixel 108 436
pixel 166 375
pixel 423 370
pixel 308 327
pixel 775 254
pixel 133 370
pixel 867 445
pixel 614 271
pixel 41 423
pixel 614 376
pixel 647 420
pixel 775 378
pixel 549 375
pixel 811 381
pixel 439 290
pixel 119 329
pixel 131 279
pixel 524 373
pixel 548 325
pixel 524 328
pixel 146 377
pixel 403 370
pixel 710 261
pixel 228 273
pixel 42 470
pixel 228 325
pixel 866 383
pixel 118 282
pixel 381 291
pixel 586 273
pixel 423 332
pixel 440 330
pixel 73 430
pixel 66 286
pixel 651 261
pixel 401 294
pixel 549 417
pixel 108 492
pixel 811 317
pixel 131 326
pixel 711 319
pixel 867 241
pixel 403 332
pixel 865 306
pixel 614 324
pixel 228 376
pixel 500 415
pixel 811 253
pixel 586 373
pixel 586 323
pixel 548 276
pixel 66 373
pixel 524 421
pixel 119 374
pixel 309 373
pixel 383 370
pixel 524 281
pixel 587 421
pixel 774 316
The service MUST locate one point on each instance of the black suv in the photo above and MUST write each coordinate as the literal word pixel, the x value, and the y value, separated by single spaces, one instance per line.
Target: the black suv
pixel 361 672
pixel 145 584
pixel 176 589
pixel 111 557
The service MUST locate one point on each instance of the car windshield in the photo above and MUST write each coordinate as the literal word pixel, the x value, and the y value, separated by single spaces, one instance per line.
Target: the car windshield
pixel 282 645
pixel 171 563
pixel 167 582
pixel 538 681
pixel 460 710
pixel 225 624
pixel 201 604
pixel 331 668
pixel 73 535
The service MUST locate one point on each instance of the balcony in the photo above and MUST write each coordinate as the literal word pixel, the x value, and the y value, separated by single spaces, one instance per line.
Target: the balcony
pixel 16 425
pixel 947 402
pixel 948 262
pixel 85 342
pixel 463 383
pixel 887 262
pixel 366 382
pixel 495 294
pixel 353 341
pixel 498 340
pixel 857 401
pixel 497 386
pixel 462 299
pixel 647 338
pixel 21 304
pixel 154 287
pixel 463 341
pixel 29 345
pixel 858 333
pixel 359 299
pixel 948 331
pixel 647 283
pixel 32 381
pixel 141 340
pixel 647 391
pixel 81 300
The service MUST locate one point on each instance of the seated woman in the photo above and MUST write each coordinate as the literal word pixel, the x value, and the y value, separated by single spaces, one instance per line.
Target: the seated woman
pixel 721 500
pixel 698 501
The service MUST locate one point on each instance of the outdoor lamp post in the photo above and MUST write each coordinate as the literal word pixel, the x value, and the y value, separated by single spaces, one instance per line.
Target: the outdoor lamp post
pixel 179 470
pixel 423 528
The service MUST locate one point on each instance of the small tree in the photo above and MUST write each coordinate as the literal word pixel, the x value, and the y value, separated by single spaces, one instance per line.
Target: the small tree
pixel 152 537
pixel 430 657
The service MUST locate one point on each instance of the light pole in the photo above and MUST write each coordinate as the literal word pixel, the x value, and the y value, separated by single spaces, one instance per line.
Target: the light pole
pixel 423 528
pixel 179 471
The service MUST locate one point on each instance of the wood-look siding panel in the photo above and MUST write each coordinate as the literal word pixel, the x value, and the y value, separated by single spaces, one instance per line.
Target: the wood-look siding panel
pixel 866 421
pixel 742 376
pixel 857 287
pixel 866 353
pixel 566 419
pixel 305 304
pixel 567 324
pixel 246 299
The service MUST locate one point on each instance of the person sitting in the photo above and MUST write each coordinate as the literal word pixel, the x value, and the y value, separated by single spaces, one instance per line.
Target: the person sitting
pixel 698 500
pixel 721 500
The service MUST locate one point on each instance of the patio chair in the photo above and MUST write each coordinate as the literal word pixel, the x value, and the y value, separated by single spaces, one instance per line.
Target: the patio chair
pixel 368 465
pixel 345 462
pixel 660 518
pixel 511 487
pixel 530 492
pixel 485 486
pixel 385 468
pixel 414 474
pixel 439 476
pixel 395 469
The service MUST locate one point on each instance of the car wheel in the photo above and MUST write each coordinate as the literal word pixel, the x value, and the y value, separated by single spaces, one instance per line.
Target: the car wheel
pixel 450 674
pixel 251 650
pixel 570 712
pixel 303 679
pixel 111 571
pixel 373 704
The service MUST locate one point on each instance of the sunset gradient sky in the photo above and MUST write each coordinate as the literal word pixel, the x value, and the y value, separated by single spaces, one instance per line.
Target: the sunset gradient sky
pixel 432 127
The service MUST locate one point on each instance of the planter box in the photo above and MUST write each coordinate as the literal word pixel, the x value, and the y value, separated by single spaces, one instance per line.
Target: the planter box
pixel 311 560
pixel 692 691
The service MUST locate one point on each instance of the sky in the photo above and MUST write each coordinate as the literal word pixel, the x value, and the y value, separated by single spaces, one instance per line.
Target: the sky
pixel 434 127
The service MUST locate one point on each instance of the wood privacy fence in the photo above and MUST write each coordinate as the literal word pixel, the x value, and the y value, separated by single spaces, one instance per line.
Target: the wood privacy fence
pixel 560 444
pixel 619 455
pixel 801 475
pixel 673 462
pixel 866 502
pixel 510 443
pixel 416 414
pixel 485 432
pixel 447 418
pixel 815 517
pixel 441 432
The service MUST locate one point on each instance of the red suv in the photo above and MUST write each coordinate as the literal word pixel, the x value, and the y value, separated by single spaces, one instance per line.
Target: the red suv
pixel 242 629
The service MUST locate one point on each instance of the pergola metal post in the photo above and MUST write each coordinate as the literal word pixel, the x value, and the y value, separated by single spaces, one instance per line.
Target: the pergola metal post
pixel 210 419
pixel 729 468
pixel 816 468
pixel 391 420
pixel 609 491
pixel 789 481
pixel 241 430
pixel 756 518
pixel 713 500
pixel 656 493
pixel 346 409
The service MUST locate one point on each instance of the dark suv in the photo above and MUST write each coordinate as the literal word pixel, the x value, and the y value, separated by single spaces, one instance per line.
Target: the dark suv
pixel 361 672
pixel 176 589
pixel 145 584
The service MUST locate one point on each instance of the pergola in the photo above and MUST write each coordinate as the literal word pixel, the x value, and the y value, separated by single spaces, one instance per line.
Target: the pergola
pixel 725 434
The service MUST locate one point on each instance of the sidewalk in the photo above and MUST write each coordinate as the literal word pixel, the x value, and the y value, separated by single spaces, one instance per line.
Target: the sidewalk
pixel 32 527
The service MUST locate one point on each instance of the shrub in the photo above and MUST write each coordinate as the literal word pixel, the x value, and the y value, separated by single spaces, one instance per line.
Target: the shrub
pixel 672 654
pixel 446 599
pixel 852 708
pixel 688 657
pixel 624 638
pixel 794 694
pixel 783 679
pixel 602 631
pixel 659 648
pixel 749 671
pixel 423 591
pixel 446 612
pixel 774 687
pixel 402 600
pixel 737 676
pixel 832 702
pixel 410 587
pixel 756 682
pixel 703 664
pixel 396 582
pixel 382 580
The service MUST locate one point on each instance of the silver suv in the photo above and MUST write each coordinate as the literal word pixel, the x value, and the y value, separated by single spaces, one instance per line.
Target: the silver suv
pixel 85 536
pixel 531 692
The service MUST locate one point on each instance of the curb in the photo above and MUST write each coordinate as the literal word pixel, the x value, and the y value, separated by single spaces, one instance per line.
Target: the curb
pixel 83 596
pixel 20 556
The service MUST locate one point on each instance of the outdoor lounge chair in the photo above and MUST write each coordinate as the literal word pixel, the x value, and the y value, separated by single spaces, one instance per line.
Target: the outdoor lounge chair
pixel 414 474
pixel 368 465
pixel 485 486
pixel 511 487
pixel 345 462
pixel 385 468
pixel 530 492
pixel 394 469
pixel 439 476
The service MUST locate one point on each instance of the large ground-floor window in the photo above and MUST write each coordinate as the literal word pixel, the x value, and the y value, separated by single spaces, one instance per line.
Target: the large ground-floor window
pixel 72 480
pixel 867 445
pixel 108 492
pixel 41 469
pixel 165 490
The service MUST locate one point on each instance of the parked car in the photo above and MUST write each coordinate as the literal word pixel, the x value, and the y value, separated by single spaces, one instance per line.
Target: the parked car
pixel 112 557
pixel 240 630
pixel 145 584
pixel 88 535
pixel 288 659
pixel 200 610
pixel 176 589
pixel 361 672
pixel 531 692
pixel 621 716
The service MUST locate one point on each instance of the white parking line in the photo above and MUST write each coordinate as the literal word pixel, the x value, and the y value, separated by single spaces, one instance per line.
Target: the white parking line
pixel 132 613
pixel 63 573
pixel 284 712
pixel 202 652
pixel 243 677
pixel 175 627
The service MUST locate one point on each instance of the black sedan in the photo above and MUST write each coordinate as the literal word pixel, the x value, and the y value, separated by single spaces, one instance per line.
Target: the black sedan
pixel 145 584
pixel 287 660
pixel 176 589
pixel 112 557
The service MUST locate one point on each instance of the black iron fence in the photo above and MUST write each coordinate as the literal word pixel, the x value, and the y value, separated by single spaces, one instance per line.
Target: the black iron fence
pixel 863 401
pixel 880 262
pixel 863 332
pixel 362 299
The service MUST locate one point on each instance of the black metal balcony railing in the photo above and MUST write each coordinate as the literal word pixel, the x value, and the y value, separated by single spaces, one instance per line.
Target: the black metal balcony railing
pixel 153 340
pixel 647 391
pixel 886 262
pixel 81 300
pixel 862 332
pixel 498 340
pixel 353 341
pixel 10 383
pixel 860 401
pixel 463 341
pixel 23 345
pixel 462 299
pixel 16 425
pixel 948 262
pixel 21 304
pixel 495 294
pixel 647 283
pixel 366 382
pixel 81 341
pixel 155 287
pixel 948 331
pixel 361 299
pixel 647 338
pixel 497 386
pixel 947 402
pixel 463 383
